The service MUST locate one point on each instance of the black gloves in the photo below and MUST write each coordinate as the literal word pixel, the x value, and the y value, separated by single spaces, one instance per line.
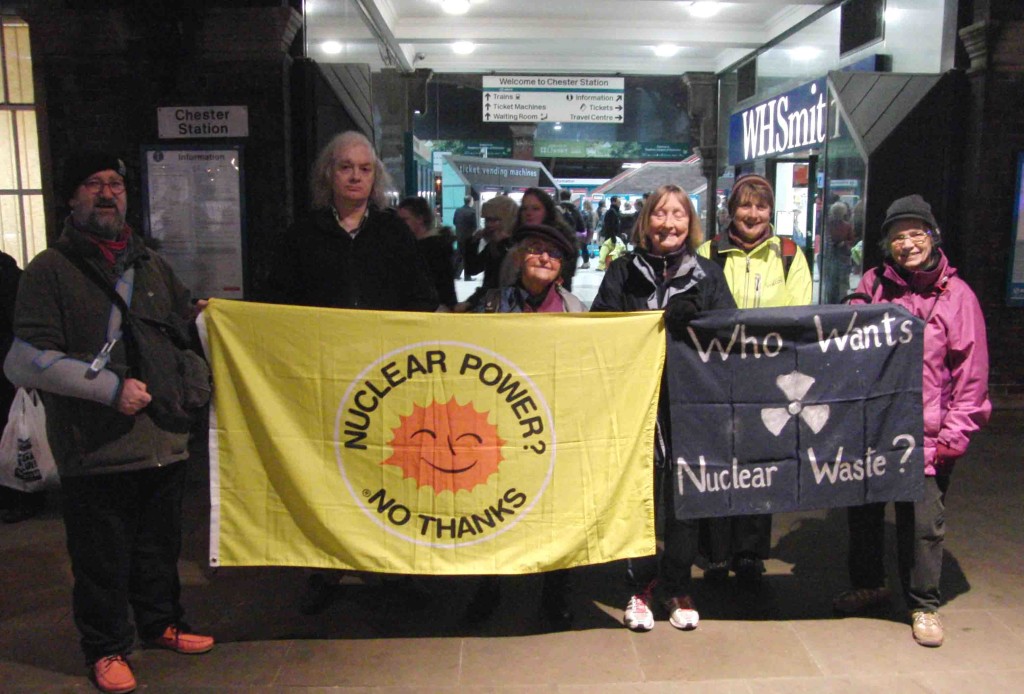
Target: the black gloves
pixel 679 311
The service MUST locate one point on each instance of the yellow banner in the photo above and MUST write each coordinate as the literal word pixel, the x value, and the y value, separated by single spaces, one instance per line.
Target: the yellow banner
pixel 430 443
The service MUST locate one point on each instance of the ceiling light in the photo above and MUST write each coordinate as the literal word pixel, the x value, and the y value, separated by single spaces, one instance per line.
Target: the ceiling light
pixel 558 126
pixel 893 14
pixel 331 47
pixel 666 50
pixel 804 53
pixel 704 9
pixel 463 47
pixel 455 6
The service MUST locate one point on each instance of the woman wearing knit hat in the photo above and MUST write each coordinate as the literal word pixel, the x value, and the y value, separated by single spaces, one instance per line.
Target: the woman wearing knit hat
pixel 763 271
pixel 917 276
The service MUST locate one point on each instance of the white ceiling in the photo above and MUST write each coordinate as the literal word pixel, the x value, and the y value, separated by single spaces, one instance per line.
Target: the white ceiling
pixel 567 36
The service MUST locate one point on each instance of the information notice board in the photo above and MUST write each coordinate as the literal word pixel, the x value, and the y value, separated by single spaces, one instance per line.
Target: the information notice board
pixel 194 210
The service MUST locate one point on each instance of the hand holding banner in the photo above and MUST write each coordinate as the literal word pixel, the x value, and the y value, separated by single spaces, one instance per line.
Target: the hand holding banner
pixel 430 443
pixel 797 408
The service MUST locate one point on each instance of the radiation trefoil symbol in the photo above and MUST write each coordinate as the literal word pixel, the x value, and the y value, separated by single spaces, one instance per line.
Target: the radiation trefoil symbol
pixel 795 386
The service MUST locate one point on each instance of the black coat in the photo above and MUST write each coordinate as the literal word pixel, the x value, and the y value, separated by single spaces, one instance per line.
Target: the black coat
pixel 628 285
pixel 320 264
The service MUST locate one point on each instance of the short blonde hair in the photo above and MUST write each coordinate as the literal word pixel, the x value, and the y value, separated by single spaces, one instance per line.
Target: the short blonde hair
pixel 694 234
pixel 321 178
pixel 504 208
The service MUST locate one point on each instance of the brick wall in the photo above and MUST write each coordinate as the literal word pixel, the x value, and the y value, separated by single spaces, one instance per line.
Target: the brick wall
pixel 103 73
pixel 995 135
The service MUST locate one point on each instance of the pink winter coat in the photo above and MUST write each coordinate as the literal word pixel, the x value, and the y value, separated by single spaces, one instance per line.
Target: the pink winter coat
pixel 955 380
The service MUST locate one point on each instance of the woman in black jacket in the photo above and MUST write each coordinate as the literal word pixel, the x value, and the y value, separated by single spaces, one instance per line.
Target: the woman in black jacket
pixel 664 272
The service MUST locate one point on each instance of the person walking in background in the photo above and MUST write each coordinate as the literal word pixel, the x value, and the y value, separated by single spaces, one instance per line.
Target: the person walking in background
pixel 500 214
pixel 612 248
pixel 574 218
pixel 917 276
pixel 838 252
pixel 537 208
pixel 118 413
pixel 664 272
pixel 763 271
pixel 612 221
pixel 436 250
pixel 590 219
pixel 465 226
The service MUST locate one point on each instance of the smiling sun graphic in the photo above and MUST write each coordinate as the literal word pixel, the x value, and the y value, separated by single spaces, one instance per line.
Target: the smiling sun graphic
pixel 446 446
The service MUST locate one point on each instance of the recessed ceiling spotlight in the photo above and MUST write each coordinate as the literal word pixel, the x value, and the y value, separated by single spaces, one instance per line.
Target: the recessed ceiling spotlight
pixel 704 8
pixel 455 6
pixel 804 53
pixel 331 47
pixel 463 47
pixel 666 50
pixel 893 14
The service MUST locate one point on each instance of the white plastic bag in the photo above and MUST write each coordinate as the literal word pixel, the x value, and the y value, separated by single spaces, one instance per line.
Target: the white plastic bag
pixel 26 462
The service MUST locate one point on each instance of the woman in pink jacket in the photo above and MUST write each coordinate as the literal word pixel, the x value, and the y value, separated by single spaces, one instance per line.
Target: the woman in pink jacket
pixel 917 275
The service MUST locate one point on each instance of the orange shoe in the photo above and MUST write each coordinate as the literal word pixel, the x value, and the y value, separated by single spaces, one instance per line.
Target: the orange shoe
pixel 179 641
pixel 113 675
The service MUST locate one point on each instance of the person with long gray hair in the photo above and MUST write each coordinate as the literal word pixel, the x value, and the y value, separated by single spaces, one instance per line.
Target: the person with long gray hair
pixel 354 252
pixel 351 251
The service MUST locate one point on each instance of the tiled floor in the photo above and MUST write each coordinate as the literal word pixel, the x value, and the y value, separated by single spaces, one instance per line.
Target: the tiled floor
pixel 391 638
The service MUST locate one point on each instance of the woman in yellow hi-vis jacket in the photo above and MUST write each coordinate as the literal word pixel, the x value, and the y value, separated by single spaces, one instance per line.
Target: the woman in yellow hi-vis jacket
pixel 763 271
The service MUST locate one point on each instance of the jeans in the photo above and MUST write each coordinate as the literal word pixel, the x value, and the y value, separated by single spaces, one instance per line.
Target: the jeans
pixel 124 538
pixel 920 530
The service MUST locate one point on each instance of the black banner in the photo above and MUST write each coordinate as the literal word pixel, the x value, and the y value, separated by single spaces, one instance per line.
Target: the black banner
pixel 800 408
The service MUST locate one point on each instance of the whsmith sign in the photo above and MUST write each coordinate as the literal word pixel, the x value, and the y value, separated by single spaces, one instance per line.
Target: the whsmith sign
pixel 792 121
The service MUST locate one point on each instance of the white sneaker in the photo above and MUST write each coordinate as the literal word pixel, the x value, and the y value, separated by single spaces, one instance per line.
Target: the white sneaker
pixel 927 628
pixel 638 615
pixel 681 613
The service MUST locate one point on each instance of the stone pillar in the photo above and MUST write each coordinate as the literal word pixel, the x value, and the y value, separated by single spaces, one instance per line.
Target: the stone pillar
pixel 703 101
pixel 522 140
pixel 396 96
pixel 994 136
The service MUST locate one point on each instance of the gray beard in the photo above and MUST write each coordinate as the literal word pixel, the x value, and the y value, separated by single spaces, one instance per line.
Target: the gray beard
pixel 109 232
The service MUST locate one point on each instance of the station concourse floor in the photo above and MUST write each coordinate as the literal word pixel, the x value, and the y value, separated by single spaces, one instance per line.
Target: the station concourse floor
pixel 377 638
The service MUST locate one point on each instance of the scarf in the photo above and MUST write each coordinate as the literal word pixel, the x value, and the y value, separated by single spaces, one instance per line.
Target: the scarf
pixel 110 248
pixel 745 245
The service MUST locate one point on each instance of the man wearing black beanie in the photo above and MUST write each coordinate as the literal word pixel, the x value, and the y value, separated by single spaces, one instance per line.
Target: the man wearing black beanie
pixel 120 389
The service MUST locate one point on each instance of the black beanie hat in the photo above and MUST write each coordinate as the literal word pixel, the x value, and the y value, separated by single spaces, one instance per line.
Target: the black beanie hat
pixel 81 165
pixel 910 207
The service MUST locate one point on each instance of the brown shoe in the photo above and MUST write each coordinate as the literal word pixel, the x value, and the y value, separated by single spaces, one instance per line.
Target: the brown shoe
pixel 858 600
pixel 113 675
pixel 173 639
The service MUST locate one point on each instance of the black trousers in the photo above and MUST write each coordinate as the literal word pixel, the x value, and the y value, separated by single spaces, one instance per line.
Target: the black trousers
pixel 673 565
pixel 920 531
pixel 124 537
pixel 739 536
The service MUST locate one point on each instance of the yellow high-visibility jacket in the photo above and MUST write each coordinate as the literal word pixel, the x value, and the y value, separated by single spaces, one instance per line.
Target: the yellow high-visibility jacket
pixel 758 279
